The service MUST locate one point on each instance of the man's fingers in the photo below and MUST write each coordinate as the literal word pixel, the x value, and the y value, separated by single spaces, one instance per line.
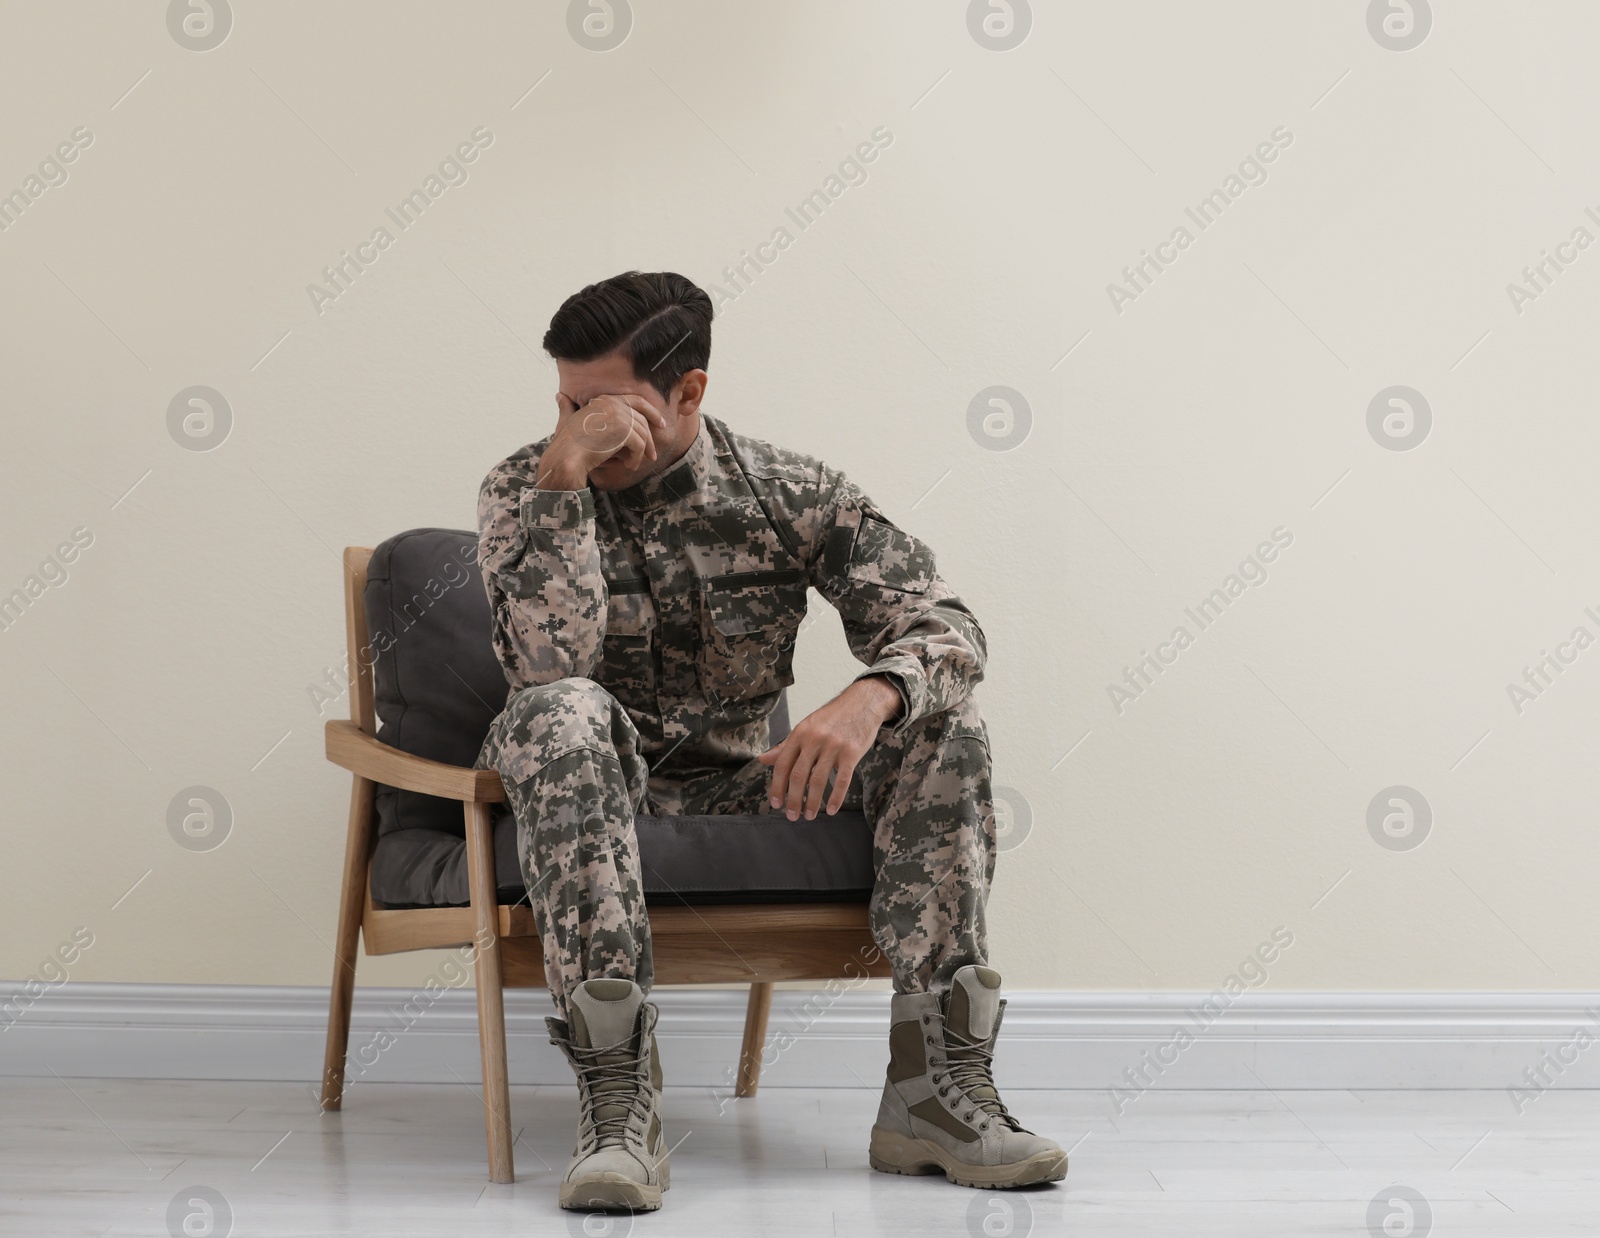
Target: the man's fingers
pixel 605 426
pixel 794 801
pixel 647 441
pixel 639 448
pixel 790 779
pixel 780 772
pixel 841 787
pixel 637 443
pixel 640 404
pixel 817 785
pixel 617 404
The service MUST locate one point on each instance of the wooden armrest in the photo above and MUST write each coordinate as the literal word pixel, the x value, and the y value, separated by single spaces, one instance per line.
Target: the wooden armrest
pixel 353 749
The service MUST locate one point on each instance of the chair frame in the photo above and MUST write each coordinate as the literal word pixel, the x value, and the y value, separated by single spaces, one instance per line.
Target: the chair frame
pixel 799 941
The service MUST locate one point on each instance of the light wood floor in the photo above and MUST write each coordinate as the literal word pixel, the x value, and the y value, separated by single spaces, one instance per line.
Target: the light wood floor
pixel 105 1157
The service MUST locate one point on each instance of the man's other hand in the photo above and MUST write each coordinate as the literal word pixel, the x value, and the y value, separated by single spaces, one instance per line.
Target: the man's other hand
pixel 830 741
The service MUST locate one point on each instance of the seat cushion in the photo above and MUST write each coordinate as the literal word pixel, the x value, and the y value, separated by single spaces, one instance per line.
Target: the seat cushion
pixel 437 687
pixel 732 858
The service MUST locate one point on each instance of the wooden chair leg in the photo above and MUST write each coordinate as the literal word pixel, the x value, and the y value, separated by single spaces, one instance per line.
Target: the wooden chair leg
pixel 755 1038
pixel 491 1006
pixel 352 897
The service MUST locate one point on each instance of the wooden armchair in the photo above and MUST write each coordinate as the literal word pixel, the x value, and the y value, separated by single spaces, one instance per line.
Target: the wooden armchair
pixel 786 941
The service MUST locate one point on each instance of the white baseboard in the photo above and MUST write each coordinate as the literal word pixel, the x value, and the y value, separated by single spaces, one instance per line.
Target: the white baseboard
pixel 818 1038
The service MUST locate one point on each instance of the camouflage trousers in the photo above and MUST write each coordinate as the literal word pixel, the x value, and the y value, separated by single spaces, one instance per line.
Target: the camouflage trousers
pixel 574 776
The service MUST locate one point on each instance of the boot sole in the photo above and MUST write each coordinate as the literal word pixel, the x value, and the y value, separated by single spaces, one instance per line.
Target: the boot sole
pixel 613 1191
pixel 892 1153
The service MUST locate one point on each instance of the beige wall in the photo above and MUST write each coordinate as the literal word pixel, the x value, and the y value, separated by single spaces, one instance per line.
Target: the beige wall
pixel 1228 400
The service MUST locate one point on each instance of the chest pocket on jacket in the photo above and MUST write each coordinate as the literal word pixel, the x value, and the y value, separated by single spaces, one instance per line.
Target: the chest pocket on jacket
pixel 627 655
pixel 748 626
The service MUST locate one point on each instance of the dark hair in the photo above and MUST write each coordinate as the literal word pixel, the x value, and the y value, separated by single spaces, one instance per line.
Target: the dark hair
pixel 660 320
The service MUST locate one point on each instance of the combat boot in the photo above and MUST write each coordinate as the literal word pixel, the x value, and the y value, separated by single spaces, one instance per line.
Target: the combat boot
pixel 940 1109
pixel 621 1159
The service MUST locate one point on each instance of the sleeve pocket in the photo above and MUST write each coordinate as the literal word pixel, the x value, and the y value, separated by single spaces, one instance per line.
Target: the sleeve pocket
pixel 889 556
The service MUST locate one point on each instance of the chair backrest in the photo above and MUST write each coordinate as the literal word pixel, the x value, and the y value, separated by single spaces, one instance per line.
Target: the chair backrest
pixel 437 684
pixel 421 640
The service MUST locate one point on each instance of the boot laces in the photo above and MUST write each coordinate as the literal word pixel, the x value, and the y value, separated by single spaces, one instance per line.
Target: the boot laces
pixel 618 1081
pixel 969 1068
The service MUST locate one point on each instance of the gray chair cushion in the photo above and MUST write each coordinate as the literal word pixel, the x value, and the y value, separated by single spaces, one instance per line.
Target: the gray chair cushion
pixel 437 686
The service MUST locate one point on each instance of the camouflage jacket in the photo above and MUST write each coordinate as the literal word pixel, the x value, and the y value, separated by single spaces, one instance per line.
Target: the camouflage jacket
pixel 683 594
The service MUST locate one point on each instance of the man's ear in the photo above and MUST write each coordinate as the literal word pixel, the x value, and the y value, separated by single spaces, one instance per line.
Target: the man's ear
pixel 688 391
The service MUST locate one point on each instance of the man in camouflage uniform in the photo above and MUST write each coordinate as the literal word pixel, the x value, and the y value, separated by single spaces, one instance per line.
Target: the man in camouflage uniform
pixel 648 568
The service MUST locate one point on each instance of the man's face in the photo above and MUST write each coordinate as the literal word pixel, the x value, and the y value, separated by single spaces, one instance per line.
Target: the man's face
pixel 612 374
